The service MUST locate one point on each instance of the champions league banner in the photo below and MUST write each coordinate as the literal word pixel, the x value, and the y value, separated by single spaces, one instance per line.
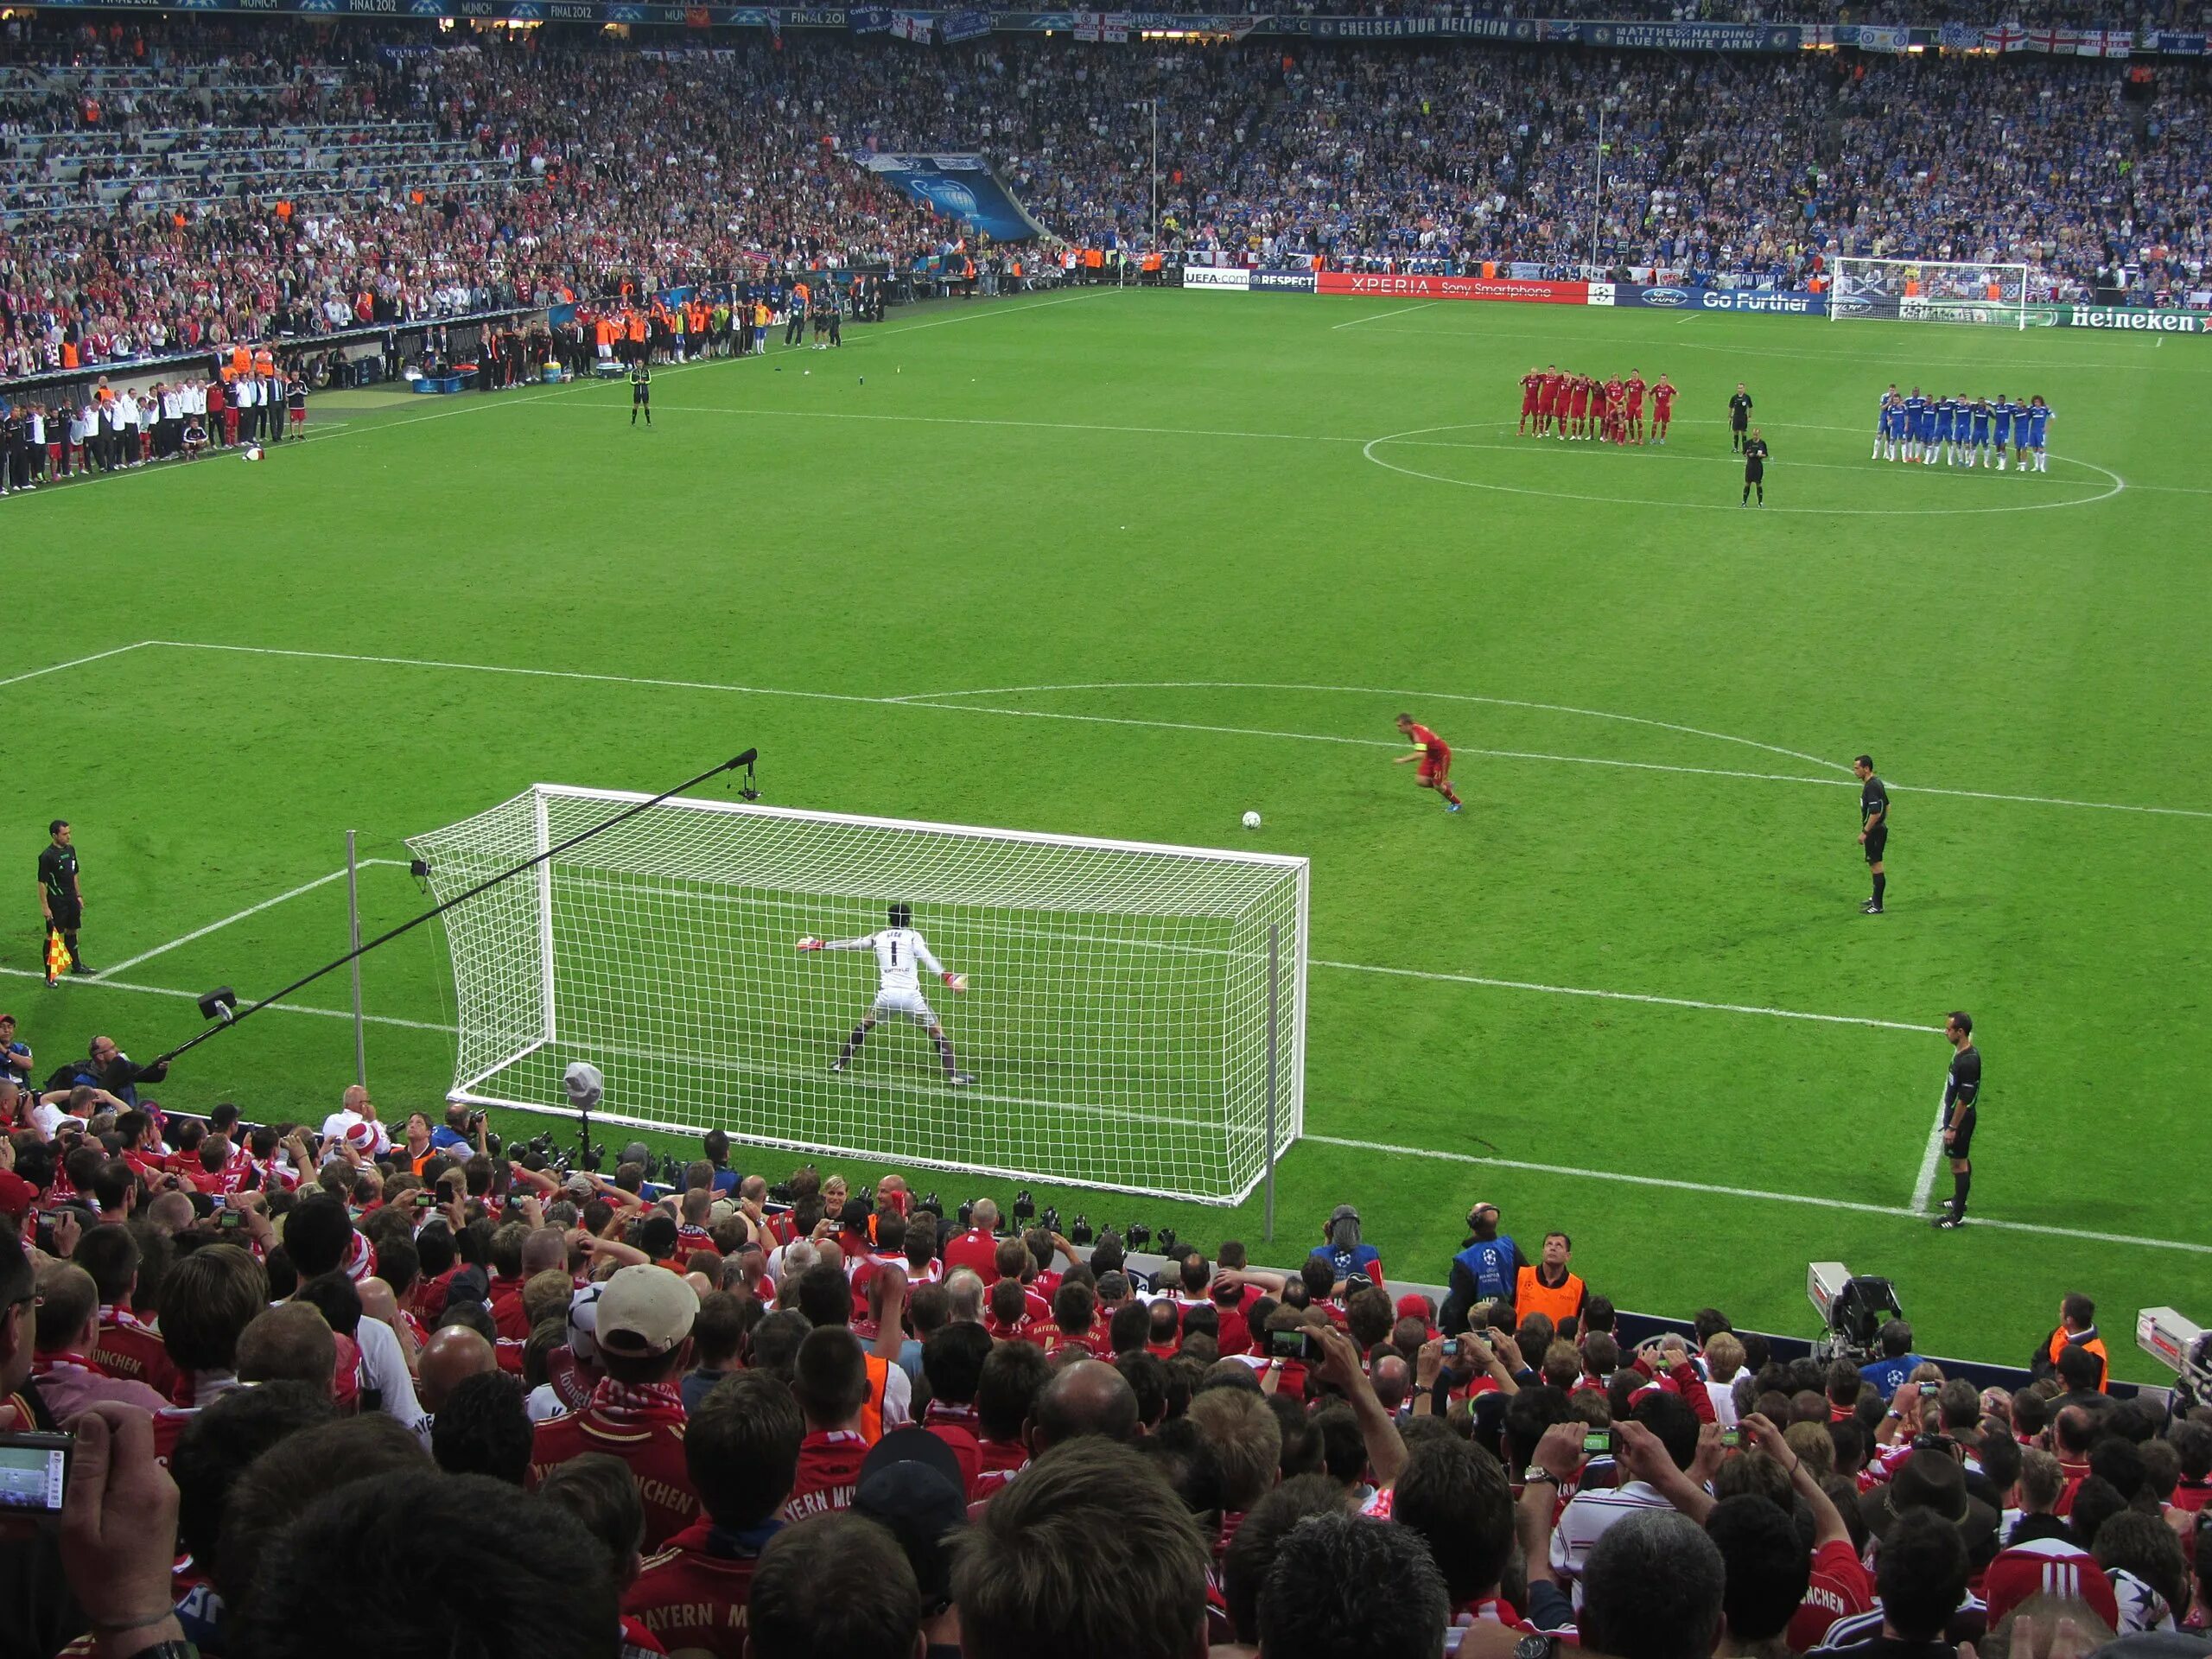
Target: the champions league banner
pixel 960 186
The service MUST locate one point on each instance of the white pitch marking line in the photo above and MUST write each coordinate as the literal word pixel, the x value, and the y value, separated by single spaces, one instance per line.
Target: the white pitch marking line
pixel 240 916
pixel 1628 996
pixel 971 420
pixel 1923 1186
pixel 102 982
pixel 1373 691
pixel 911 701
pixel 74 662
pixel 1756 1193
pixel 1377 316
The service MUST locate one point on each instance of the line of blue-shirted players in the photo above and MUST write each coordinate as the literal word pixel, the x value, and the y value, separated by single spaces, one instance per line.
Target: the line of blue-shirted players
pixel 1961 431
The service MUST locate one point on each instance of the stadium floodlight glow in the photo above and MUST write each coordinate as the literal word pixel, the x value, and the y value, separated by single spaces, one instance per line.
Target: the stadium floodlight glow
pixel 1929 291
pixel 1127 998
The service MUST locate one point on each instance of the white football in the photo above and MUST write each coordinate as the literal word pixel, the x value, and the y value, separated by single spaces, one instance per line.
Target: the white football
pixel 1251 820
pixel 253 452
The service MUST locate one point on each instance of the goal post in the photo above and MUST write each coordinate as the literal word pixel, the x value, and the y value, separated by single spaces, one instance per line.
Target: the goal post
pixel 1929 291
pixel 1116 1021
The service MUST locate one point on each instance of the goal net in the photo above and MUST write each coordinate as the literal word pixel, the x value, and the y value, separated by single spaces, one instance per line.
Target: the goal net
pixel 1125 1001
pixel 1929 291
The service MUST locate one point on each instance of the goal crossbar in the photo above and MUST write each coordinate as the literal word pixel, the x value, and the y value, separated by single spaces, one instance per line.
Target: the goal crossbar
pixel 1118 1028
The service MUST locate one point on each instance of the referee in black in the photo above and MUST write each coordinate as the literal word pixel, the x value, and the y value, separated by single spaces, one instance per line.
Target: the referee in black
pixel 1873 826
pixel 1962 1089
pixel 1754 467
pixel 60 900
pixel 641 390
pixel 1739 416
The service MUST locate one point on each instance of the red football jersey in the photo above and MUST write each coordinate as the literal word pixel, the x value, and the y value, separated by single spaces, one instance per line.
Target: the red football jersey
pixel 1840 1588
pixel 1531 386
pixel 692 1598
pixel 1432 747
pixel 649 1440
pixel 1663 395
pixel 128 1349
pixel 828 1470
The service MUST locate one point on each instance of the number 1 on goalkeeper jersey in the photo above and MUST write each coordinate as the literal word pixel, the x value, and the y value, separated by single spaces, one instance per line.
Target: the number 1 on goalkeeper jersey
pixel 901 955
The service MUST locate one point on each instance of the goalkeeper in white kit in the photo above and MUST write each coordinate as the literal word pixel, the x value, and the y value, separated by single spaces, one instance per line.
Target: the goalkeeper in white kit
pixel 900 953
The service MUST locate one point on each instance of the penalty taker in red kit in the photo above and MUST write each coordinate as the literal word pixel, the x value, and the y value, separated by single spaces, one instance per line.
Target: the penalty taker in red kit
pixel 900 954
pixel 1435 757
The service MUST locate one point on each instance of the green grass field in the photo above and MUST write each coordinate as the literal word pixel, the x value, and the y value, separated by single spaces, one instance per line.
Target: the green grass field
pixel 1222 539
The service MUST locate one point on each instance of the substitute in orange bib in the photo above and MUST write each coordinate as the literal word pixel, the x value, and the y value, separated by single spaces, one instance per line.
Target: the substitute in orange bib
pixel 1549 1288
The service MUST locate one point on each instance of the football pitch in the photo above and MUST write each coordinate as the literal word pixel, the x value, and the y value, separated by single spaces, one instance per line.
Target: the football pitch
pixel 1130 563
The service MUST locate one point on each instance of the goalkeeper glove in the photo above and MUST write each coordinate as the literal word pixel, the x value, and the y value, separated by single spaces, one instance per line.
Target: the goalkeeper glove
pixel 958 982
pixel 809 943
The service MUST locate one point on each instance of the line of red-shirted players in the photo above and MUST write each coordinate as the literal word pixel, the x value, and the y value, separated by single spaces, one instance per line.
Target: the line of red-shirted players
pixel 1564 406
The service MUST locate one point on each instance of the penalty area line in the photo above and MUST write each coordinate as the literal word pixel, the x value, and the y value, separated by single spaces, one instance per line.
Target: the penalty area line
pixel 1754 1194
pixel 217 927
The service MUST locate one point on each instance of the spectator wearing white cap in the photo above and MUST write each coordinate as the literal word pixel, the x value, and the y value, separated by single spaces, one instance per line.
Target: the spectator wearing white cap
pixel 643 1333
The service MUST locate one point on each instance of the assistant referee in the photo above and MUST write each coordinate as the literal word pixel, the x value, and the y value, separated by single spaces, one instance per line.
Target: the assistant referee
pixel 1962 1089
pixel 60 901
pixel 1873 826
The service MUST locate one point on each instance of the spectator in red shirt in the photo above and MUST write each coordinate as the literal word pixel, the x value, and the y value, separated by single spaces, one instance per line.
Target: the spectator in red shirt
pixel 598 1492
pixel 1075 1327
pixel 2192 1443
pixel 1128 1562
pixel 838 1583
pixel 1343 1584
pixel 208 1300
pixel 829 1380
pixel 741 1450
pixel 70 1376
pixel 1009 1319
pixel 953 1360
pixel 976 1250
pixel 126 1347
pixel 1458 1498
pixel 1005 1398
pixel 642 1335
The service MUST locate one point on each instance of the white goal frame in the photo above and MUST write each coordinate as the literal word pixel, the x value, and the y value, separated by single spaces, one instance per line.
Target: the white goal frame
pixel 1929 291
pixel 606 952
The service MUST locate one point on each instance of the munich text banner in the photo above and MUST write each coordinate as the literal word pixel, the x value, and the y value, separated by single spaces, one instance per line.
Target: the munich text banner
pixel 961 186
pixel 1411 287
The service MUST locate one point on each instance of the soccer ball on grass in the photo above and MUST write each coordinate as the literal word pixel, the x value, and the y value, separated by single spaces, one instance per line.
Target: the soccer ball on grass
pixel 1251 820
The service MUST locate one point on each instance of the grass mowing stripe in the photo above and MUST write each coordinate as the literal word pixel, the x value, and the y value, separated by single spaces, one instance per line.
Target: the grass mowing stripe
pixel 1753 1194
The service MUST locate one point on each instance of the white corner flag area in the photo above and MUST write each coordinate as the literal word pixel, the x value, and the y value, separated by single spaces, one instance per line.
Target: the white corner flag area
pixel 1051 1007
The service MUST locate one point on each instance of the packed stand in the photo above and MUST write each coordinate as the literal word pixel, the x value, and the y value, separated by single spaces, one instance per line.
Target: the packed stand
pixel 544 1411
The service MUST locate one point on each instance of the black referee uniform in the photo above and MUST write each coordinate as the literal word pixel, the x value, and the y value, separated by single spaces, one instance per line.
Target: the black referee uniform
pixel 1874 827
pixel 63 902
pixel 1961 1092
pixel 1754 467
pixel 1739 416
pixel 641 391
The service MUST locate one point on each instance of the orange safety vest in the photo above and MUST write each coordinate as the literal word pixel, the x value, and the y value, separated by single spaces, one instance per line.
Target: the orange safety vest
pixel 2094 1345
pixel 879 1389
pixel 1532 1295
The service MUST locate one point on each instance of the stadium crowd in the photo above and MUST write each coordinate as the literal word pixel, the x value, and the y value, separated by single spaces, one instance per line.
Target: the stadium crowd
pixel 413 1391
pixel 168 187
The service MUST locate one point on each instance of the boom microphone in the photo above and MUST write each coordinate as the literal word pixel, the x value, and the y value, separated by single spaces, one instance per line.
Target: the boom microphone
pixel 747 759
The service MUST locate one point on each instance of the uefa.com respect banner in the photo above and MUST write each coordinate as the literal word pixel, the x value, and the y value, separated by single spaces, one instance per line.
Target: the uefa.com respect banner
pixel 1410 287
